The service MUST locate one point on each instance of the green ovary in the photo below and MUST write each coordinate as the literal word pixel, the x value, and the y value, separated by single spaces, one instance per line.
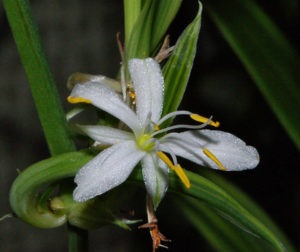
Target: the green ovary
pixel 144 142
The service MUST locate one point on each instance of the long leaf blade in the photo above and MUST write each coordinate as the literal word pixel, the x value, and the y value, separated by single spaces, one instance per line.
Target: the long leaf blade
pixel 150 27
pixel 139 45
pixel 132 9
pixel 269 58
pixel 38 73
pixel 166 12
pixel 248 203
pixel 178 68
pixel 205 190
pixel 221 234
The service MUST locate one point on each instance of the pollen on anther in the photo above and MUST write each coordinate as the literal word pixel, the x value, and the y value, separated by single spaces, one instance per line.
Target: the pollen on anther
pixel 156 127
pixel 132 96
pixel 181 174
pixel 212 157
pixel 202 119
pixel 177 169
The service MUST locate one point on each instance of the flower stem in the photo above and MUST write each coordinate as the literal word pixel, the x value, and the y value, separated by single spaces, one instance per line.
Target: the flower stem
pixel 77 239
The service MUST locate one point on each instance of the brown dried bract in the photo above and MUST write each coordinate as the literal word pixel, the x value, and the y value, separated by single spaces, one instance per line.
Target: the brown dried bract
pixel 164 51
pixel 156 235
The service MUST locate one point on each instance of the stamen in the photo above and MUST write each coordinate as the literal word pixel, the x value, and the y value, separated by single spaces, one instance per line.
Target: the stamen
pixel 214 158
pixel 164 148
pixel 173 114
pixel 205 121
pixel 181 174
pixel 179 126
pixel 165 158
pixel 132 97
pixel 156 127
pixel 123 81
pixel 177 169
pixel 202 119
pixel 78 100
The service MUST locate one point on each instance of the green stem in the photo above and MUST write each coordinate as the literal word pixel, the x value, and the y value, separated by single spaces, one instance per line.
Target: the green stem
pixel 43 90
pixel 77 239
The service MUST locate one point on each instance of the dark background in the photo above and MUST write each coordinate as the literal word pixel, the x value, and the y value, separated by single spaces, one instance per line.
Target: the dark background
pixel 80 36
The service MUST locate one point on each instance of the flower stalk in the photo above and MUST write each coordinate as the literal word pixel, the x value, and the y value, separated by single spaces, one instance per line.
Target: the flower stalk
pixel 156 235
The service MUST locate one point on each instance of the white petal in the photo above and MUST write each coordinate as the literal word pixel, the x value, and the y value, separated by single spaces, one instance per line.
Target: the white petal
pixel 231 151
pixel 108 100
pixel 155 175
pixel 107 170
pixel 148 84
pixel 106 135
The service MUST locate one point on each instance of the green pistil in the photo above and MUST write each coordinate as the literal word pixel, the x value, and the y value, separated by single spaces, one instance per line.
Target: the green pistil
pixel 144 143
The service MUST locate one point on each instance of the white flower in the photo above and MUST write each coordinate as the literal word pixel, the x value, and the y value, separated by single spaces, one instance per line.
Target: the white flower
pixel 145 142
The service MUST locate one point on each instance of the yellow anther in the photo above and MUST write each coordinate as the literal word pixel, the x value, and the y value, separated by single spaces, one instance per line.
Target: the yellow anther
pixel 165 158
pixel 177 169
pixel 132 96
pixel 214 158
pixel 181 174
pixel 156 127
pixel 202 119
pixel 78 100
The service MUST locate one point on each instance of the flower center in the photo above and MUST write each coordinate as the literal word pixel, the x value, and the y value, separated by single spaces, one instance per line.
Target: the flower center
pixel 144 142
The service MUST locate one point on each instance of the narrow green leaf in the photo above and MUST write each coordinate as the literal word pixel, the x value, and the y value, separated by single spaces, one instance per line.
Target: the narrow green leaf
pixel 40 79
pixel 269 58
pixel 205 190
pixel 178 68
pixel 249 204
pixel 45 96
pixel 150 27
pixel 132 9
pixel 139 42
pixel 221 234
pixel 165 13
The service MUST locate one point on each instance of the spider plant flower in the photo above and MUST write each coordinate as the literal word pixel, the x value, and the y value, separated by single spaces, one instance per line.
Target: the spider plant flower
pixel 147 142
